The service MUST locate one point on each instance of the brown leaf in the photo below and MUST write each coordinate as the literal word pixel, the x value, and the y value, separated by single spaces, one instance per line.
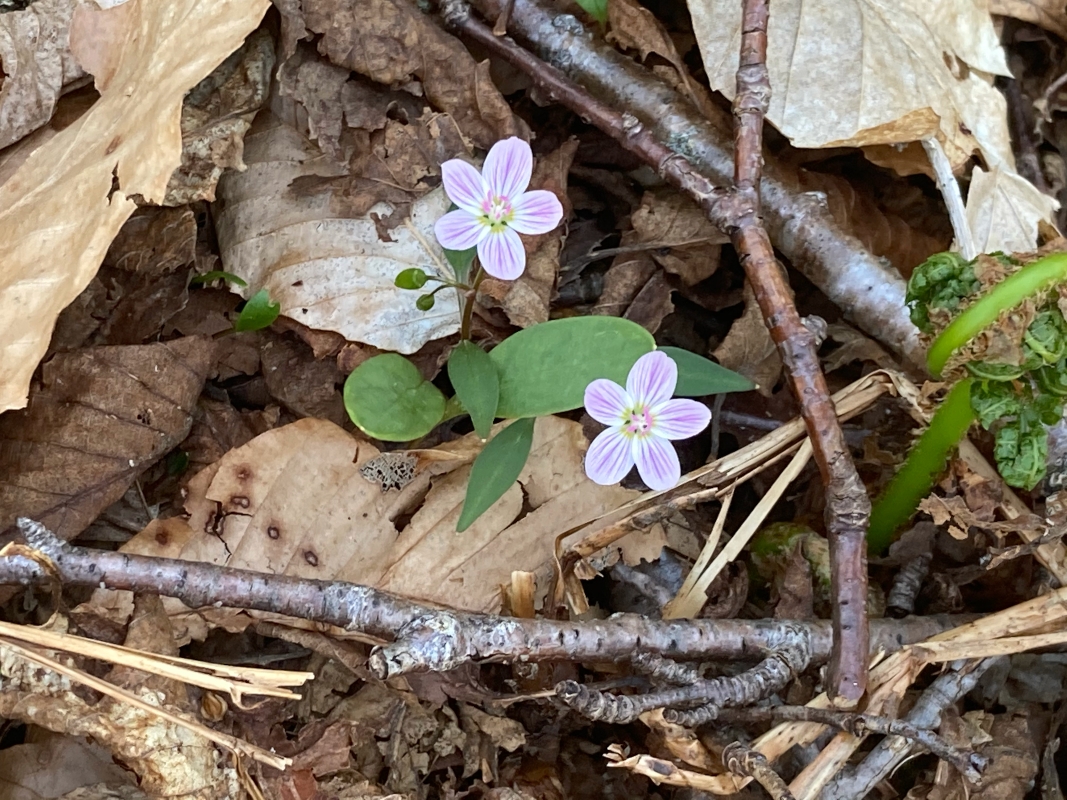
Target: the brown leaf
pixel 672 220
pixel 100 419
pixel 625 278
pixel 37 63
pixel 796 596
pixel 526 300
pixel 855 346
pixel 154 241
pixel 218 427
pixel 304 385
pixel 62 207
pixel 1048 14
pixel 652 304
pixel 393 42
pixel 748 348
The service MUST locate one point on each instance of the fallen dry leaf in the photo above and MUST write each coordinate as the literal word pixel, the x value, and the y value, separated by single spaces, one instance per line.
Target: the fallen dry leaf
pixel 62 207
pixel 892 72
pixel 1048 14
pixel 854 347
pixel 394 43
pixel 1003 210
pixel 748 348
pixel 327 272
pixel 671 220
pixel 101 417
pixel 36 63
pixel 293 501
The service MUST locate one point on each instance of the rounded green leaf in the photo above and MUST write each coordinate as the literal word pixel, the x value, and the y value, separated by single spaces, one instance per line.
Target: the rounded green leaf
pixel 495 469
pixel 387 398
pixel 473 376
pixel 259 312
pixel 411 278
pixel 425 302
pixel 544 369
pixel 699 376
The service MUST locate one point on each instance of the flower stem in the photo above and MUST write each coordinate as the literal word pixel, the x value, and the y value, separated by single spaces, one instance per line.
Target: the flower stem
pixel 1028 281
pixel 468 304
pixel 924 464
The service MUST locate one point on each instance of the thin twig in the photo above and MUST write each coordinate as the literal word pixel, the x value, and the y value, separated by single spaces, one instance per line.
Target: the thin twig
pixel 426 637
pixel 737 213
pixel 950 191
pixel 742 760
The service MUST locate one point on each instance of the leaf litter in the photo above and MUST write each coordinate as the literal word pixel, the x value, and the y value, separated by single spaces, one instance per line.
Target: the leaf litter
pixel 152 428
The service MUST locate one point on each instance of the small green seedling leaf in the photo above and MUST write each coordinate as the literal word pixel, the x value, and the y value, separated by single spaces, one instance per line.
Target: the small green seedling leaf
pixel 544 369
pixel 495 469
pixel 387 398
pixel 259 312
pixel 699 376
pixel 461 261
pixel 215 275
pixel 425 302
pixel 473 375
pixel 411 278
pixel 597 9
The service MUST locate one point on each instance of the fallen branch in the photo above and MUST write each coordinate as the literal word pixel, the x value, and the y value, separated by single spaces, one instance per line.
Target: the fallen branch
pixel 737 213
pixel 799 222
pixel 428 638
pixel 745 762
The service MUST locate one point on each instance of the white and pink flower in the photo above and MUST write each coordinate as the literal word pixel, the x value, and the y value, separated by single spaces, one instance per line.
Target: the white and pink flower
pixel 494 208
pixel 643 419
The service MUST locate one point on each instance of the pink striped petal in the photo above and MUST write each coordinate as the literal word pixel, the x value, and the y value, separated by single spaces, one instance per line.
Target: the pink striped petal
pixel 606 401
pixel 502 254
pixel 657 463
pixel 680 419
pixel 464 185
pixel 652 379
pixel 508 167
pixel 536 212
pixel 609 458
pixel 458 230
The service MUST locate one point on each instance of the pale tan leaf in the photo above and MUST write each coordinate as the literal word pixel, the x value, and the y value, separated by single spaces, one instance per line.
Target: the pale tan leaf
pixel 35 62
pixel 62 207
pixel 326 271
pixel 872 72
pixel 1003 210
pixel 1048 14
pixel 295 502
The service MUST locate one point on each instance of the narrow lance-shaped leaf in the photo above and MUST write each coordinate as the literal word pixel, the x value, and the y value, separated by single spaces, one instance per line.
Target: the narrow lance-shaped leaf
pixel 474 377
pixel 699 376
pixel 259 312
pixel 387 398
pixel 495 469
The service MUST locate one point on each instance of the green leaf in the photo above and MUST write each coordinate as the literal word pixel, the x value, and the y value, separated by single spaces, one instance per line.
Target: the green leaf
pixel 387 398
pixel 425 302
pixel 1021 450
pixel 217 274
pixel 495 469
pixel 473 375
pixel 597 9
pixel 699 376
pixel 259 312
pixel 545 368
pixel 942 281
pixel 461 261
pixel 411 278
pixel 992 400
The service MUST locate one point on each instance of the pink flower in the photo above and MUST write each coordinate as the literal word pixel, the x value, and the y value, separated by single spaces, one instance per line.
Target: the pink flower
pixel 494 208
pixel 643 417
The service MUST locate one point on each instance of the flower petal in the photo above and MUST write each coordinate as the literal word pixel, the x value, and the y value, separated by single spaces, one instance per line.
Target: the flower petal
pixel 458 230
pixel 464 185
pixel 502 254
pixel 538 211
pixel 657 463
pixel 609 458
pixel 652 379
pixel 508 167
pixel 680 419
pixel 606 401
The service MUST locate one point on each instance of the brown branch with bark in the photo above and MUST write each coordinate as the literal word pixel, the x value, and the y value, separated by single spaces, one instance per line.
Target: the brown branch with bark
pixel 736 212
pixel 749 763
pixel 425 637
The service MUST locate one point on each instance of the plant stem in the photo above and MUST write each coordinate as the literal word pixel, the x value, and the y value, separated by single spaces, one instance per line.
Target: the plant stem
pixel 468 304
pixel 924 464
pixel 1029 280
